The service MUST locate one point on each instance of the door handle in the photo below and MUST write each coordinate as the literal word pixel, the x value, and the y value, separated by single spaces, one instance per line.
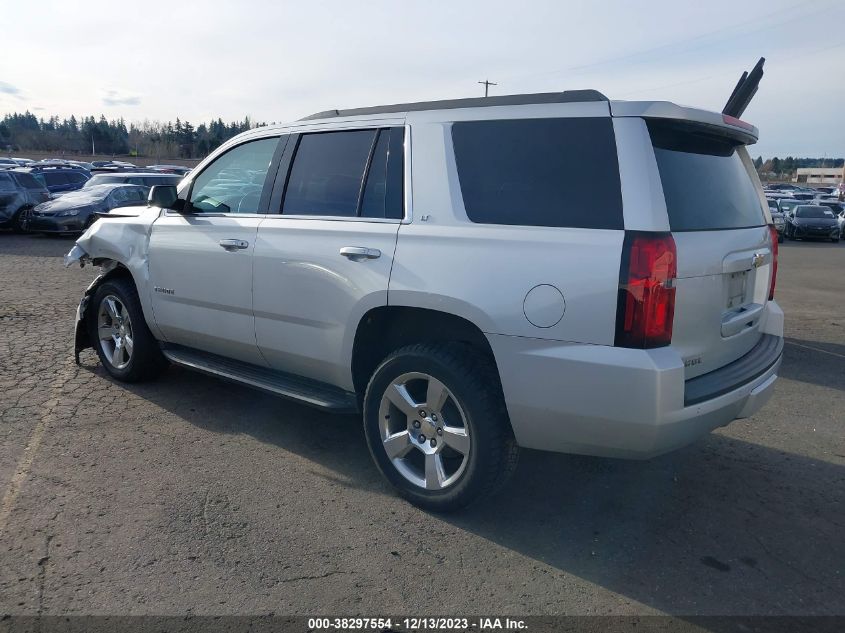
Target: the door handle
pixel 357 253
pixel 233 245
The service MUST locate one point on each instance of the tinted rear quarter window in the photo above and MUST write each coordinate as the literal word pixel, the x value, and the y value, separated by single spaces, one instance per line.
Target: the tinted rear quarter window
pixel 705 183
pixel 539 172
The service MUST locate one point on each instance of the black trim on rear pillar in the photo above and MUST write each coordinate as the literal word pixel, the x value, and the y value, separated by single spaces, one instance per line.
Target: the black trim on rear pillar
pixel 736 374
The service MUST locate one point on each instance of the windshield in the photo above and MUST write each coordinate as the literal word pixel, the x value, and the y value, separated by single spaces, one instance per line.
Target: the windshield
pixel 706 181
pixel 813 212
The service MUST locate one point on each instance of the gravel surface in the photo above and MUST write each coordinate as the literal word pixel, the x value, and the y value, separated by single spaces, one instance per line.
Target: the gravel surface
pixel 194 496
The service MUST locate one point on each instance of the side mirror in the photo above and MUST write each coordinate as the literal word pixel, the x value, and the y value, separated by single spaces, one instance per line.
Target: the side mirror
pixel 164 197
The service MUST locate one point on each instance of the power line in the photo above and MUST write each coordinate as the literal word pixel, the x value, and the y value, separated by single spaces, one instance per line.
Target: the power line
pixel 584 68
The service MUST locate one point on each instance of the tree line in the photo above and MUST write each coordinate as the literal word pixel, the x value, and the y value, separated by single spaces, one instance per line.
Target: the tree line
pixel 787 166
pixel 21 132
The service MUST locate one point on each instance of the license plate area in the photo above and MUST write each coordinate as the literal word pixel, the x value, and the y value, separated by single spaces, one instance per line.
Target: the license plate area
pixel 737 290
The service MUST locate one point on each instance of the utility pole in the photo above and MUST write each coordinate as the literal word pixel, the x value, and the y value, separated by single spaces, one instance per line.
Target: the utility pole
pixel 487 83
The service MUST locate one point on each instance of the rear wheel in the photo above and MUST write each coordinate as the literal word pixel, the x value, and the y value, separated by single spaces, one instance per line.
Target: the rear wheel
pixel 437 426
pixel 119 333
pixel 19 220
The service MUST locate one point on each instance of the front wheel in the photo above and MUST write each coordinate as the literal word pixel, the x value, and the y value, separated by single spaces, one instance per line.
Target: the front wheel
pixel 437 426
pixel 119 333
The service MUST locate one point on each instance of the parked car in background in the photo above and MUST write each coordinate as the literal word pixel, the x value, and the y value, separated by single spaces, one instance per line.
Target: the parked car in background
pixel 23 162
pixel 169 169
pixel 811 221
pixel 786 205
pixel 19 192
pixel 76 211
pixel 8 163
pixel 777 218
pixel 83 164
pixel 777 195
pixel 133 178
pixel 803 195
pixel 113 166
pixel 59 178
pixel 838 209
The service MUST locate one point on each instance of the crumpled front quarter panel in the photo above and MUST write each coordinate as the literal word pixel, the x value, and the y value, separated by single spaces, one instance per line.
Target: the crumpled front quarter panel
pixel 125 240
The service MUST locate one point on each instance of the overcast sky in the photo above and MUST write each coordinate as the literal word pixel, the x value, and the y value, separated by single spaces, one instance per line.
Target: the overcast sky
pixel 281 60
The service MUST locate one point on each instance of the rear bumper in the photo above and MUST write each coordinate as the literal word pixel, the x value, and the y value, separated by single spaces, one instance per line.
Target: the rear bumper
pixel 616 402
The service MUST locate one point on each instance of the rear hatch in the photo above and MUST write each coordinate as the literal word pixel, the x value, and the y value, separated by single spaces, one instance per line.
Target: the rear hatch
pixel 718 218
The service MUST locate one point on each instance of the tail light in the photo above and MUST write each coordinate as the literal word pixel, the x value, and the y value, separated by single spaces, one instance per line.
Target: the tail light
pixel 646 305
pixel 773 235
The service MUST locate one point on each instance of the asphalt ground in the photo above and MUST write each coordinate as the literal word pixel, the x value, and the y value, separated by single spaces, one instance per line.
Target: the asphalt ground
pixel 193 496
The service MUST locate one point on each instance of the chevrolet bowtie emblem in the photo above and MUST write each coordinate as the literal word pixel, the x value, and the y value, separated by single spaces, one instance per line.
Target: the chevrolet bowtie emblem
pixel 758 260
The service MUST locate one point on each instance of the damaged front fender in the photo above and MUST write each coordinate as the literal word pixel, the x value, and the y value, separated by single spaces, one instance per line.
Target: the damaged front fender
pixel 119 245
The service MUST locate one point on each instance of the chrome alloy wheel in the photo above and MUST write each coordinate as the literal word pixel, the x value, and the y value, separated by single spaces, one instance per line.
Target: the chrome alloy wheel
pixel 114 329
pixel 424 431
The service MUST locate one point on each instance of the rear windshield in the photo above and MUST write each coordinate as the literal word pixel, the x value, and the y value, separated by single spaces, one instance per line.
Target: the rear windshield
pixel 705 182
pixel 813 212
pixel 539 172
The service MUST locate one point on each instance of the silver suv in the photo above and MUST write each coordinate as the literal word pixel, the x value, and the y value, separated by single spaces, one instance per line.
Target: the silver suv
pixel 552 271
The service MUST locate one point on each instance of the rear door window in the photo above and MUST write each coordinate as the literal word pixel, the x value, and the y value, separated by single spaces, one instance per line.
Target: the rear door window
pixel 327 173
pixel 705 182
pixel 6 183
pixel 540 172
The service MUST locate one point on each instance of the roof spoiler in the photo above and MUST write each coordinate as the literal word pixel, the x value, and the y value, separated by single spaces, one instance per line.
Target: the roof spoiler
pixel 744 91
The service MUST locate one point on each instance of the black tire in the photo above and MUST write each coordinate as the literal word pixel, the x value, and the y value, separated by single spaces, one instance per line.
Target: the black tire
pixel 17 221
pixel 473 381
pixel 780 238
pixel 146 361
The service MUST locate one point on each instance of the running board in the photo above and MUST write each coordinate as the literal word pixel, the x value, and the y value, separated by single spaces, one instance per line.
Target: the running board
pixel 304 390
